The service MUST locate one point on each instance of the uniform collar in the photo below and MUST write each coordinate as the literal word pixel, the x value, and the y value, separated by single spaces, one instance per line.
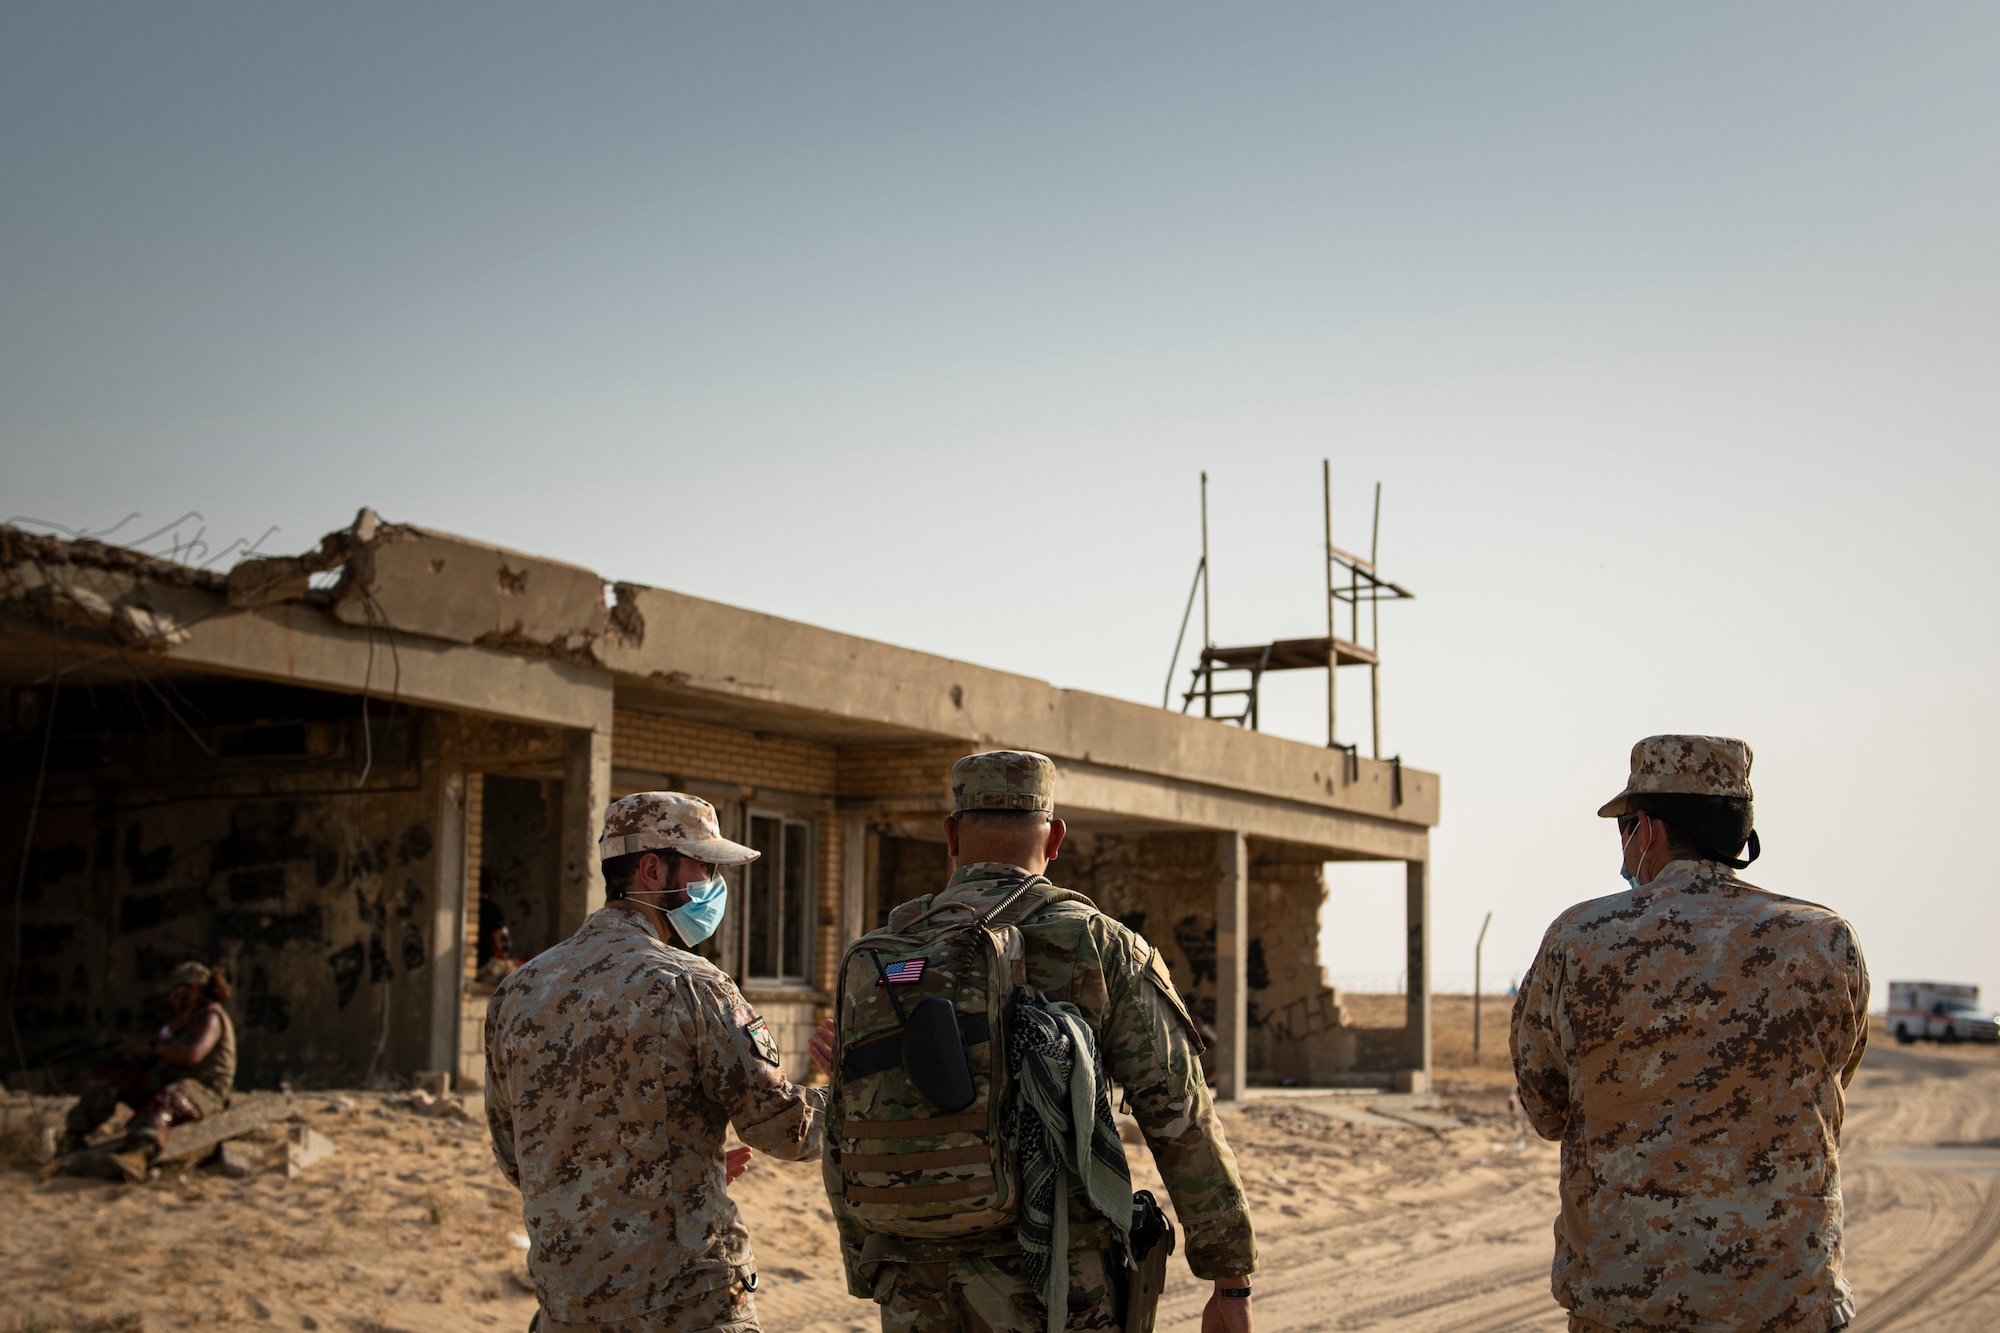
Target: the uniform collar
pixel 1680 874
pixel 618 912
pixel 984 870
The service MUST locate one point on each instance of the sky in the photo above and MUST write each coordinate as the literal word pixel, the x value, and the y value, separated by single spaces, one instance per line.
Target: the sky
pixel 1669 333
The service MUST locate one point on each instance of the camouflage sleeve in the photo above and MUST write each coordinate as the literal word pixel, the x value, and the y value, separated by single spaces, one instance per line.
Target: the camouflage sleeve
pixel 1855 967
pixel 1150 1051
pixel 499 1109
pixel 1541 1070
pixel 740 1073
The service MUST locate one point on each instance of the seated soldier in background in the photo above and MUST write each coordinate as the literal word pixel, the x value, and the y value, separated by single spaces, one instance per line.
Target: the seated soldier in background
pixel 183 1072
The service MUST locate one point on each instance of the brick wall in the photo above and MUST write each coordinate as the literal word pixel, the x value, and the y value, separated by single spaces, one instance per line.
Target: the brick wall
pixel 720 754
pixel 827 942
pixel 1163 887
pixel 475 847
pixel 922 770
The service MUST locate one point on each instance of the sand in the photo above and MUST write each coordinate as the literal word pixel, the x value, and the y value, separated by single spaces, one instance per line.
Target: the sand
pixel 1370 1215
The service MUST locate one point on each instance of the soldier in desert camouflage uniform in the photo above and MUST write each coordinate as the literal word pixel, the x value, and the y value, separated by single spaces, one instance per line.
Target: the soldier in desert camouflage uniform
pixel 1688 1040
pixel 615 1061
pixel 1001 826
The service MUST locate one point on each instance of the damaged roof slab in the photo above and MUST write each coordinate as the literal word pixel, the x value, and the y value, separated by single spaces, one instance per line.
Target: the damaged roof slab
pixel 468 625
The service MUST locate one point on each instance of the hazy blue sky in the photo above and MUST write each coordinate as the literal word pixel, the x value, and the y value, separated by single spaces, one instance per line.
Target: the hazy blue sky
pixel 1671 333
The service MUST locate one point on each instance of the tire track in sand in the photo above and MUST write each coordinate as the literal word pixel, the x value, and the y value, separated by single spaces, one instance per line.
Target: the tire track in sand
pixel 1520 1316
pixel 1958 1265
pixel 1452 1293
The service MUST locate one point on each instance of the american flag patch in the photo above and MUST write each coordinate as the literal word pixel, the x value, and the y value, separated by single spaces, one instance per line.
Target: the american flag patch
pixel 906 973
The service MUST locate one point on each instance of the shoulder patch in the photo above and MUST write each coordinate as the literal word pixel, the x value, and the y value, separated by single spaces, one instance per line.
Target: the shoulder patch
pixel 1163 981
pixel 760 1036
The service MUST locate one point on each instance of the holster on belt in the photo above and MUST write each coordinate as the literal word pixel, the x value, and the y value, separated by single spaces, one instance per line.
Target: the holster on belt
pixel 1152 1240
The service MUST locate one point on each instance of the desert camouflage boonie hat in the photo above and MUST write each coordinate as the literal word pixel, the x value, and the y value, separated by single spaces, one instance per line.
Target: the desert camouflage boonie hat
pixel 1004 780
pixel 189 974
pixel 1685 766
pixel 668 821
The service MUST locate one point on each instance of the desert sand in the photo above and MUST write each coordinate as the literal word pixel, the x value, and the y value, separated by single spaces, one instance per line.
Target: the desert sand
pixel 1371 1214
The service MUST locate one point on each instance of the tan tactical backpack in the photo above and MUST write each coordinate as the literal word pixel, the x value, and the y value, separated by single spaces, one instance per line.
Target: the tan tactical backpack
pixel 921 1071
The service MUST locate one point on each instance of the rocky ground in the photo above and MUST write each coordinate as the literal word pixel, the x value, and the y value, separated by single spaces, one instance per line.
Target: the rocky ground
pixel 1372 1214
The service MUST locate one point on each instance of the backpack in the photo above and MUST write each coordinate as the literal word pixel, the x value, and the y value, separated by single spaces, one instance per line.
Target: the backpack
pixel 921 1070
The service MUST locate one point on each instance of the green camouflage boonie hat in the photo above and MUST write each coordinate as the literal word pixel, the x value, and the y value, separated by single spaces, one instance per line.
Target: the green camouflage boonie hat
pixel 189 974
pixel 668 821
pixel 1685 766
pixel 1004 780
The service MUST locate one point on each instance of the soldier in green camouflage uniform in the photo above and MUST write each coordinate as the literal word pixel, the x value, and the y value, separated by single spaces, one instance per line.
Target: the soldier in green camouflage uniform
pixel 1001 827
pixel 615 1063
pixel 1689 1041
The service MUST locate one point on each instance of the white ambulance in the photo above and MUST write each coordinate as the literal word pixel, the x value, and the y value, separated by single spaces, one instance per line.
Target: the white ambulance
pixel 1939 1011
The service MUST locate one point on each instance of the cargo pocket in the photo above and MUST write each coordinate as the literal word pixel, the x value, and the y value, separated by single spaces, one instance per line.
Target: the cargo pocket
pixel 885 1277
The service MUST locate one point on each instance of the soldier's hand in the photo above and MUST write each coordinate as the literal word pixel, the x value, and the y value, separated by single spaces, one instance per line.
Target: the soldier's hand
pixel 734 1163
pixel 1227 1314
pixel 821 1046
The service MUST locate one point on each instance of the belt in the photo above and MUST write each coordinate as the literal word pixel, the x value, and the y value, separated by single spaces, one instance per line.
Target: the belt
pixel 880 1247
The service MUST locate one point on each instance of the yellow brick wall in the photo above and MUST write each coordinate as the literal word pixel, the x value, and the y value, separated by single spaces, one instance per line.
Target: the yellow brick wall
pixel 900 770
pixel 720 754
pixel 827 942
pixel 475 846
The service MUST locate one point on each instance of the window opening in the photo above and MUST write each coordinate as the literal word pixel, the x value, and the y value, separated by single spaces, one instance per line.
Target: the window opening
pixel 777 886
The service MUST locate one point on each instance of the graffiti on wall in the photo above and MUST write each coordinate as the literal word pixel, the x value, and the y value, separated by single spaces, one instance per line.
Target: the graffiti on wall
pixel 1307 1016
pixel 305 901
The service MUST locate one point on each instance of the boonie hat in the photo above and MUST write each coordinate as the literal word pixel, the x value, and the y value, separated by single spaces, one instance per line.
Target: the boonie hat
pixel 1686 766
pixel 189 974
pixel 668 821
pixel 1004 780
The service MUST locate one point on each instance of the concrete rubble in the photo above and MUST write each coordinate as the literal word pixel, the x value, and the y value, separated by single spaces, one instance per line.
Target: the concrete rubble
pixel 89 585
pixel 413 580
pixel 237 1160
pixel 249 1111
pixel 430 1104
pixel 437 1082
pixel 305 1147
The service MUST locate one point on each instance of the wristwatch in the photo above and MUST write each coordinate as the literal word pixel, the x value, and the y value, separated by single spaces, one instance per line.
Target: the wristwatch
pixel 1233 1293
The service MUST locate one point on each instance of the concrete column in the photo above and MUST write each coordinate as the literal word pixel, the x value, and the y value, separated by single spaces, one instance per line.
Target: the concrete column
pixel 725 947
pixel 853 885
pixel 586 791
pixel 447 930
pixel 1232 965
pixel 1417 1014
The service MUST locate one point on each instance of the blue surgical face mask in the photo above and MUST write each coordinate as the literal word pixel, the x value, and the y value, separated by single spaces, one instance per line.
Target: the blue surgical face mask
pixel 1631 877
pixel 696 919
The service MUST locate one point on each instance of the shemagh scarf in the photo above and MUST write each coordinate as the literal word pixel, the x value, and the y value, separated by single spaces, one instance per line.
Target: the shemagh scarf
pixel 1061 1127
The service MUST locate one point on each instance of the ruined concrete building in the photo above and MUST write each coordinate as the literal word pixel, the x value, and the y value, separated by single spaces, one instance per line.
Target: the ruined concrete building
pixel 341 773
